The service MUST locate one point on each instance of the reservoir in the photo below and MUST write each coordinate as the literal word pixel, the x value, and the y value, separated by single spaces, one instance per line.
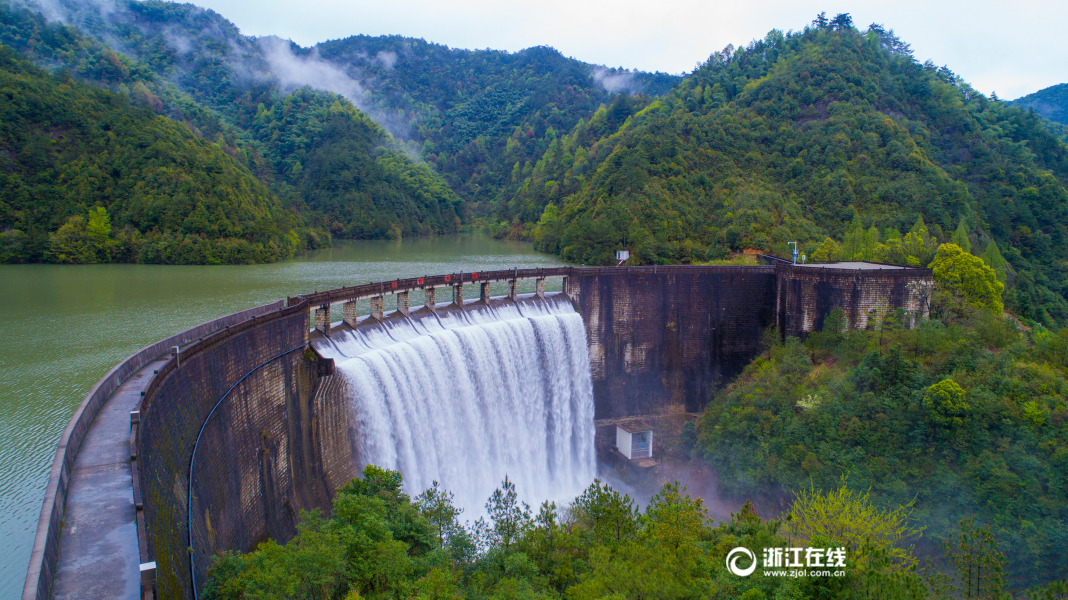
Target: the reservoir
pixel 63 327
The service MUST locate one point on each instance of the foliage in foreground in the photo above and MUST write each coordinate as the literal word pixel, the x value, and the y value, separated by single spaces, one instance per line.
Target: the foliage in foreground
pixel 966 417
pixel 381 544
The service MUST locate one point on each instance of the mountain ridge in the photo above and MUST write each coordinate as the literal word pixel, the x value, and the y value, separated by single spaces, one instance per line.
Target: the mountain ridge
pixel 788 139
pixel 1051 103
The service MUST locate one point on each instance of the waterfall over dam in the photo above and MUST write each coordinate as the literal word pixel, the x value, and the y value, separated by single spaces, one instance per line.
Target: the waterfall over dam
pixel 467 397
pixel 237 425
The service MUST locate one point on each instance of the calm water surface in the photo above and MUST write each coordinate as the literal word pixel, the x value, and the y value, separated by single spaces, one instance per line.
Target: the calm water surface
pixel 64 327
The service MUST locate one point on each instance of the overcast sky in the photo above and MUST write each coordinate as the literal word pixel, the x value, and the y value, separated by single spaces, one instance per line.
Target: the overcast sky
pixel 1011 47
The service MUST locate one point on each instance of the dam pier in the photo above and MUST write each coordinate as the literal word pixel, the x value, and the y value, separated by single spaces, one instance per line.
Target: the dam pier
pixel 230 429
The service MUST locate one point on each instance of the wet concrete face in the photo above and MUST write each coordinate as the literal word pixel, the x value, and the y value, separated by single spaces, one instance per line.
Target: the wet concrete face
pixel 170 423
pixel 806 295
pixel 659 343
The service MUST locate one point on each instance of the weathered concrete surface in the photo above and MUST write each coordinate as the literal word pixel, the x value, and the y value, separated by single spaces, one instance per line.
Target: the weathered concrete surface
pixel 98 555
pixel 865 292
pixel 661 340
pixel 250 430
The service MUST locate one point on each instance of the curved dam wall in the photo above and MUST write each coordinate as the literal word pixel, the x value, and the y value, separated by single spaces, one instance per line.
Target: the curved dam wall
pixel 252 475
pixel 273 425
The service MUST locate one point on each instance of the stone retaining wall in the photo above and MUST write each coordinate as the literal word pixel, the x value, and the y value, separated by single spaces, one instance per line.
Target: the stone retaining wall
pixel 806 295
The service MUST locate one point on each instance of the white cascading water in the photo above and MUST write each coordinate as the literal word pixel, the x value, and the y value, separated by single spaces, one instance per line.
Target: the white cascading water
pixel 467 399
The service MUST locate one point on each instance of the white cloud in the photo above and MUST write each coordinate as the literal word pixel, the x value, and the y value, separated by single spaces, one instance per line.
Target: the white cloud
pixel 618 81
pixel 178 42
pixel 295 71
pixel 386 58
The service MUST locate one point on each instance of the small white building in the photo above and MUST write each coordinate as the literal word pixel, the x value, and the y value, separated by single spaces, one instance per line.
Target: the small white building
pixel 635 440
pixel 622 256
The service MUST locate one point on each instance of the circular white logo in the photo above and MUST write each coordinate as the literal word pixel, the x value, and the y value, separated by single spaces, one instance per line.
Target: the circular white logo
pixel 732 562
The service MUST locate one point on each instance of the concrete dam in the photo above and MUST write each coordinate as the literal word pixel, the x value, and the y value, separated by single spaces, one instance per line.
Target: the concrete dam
pixel 230 429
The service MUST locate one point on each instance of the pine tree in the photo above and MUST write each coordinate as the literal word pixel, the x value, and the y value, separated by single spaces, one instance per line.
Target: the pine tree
pixel 960 236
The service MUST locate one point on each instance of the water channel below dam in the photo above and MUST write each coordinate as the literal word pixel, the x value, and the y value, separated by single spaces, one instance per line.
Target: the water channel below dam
pixel 63 327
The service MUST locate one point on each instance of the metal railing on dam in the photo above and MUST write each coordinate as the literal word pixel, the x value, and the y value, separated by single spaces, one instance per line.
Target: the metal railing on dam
pixel 370 290
pixel 659 338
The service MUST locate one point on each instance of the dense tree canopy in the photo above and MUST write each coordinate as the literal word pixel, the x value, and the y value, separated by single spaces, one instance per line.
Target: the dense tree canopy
pixel 380 544
pixel 825 133
pixel 954 419
pixel 325 160
pixel 966 279
pixel 1051 102
pixel 85 177
pixel 475 118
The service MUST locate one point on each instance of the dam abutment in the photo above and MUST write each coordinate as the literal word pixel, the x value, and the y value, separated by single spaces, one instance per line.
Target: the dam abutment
pixel 661 338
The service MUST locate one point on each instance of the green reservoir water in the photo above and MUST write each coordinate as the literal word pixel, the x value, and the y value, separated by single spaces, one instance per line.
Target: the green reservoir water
pixel 63 327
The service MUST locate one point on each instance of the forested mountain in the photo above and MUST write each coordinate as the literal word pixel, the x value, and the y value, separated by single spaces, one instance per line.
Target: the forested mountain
pixel 474 117
pixel 482 117
pixel 85 177
pixel 795 137
pixel 1051 103
pixel 811 136
pixel 324 158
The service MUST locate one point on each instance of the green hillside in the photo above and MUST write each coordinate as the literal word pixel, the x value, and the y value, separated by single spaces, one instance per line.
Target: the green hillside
pixel 870 405
pixel 85 177
pixel 481 116
pixel 1051 103
pixel 313 149
pixel 479 119
pixel 784 139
